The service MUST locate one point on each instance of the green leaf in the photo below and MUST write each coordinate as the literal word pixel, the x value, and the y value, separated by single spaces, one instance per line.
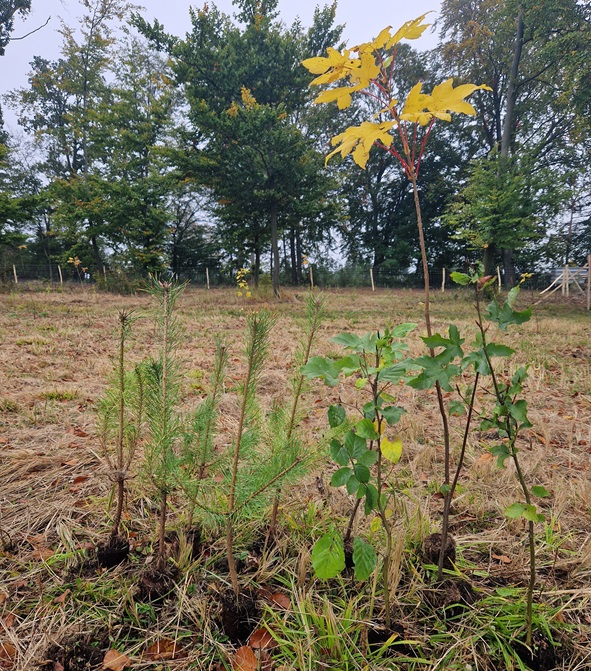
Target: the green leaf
pixel 355 445
pixel 328 555
pixel 361 383
pixel 457 408
pixel 518 411
pixel 339 453
pixel 394 373
pixel 341 477
pixel 540 491
pixel 402 330
pixel 391 450
pixel 392 414
pixel 502 453
pixel 498 350
pixel 336 415
pixel 364 559
pixel 512 296
pixel 361 472
pixel 515 510
pixel 353 486
pixel 348 365
pixel 321 367
pixel 349 341
pixel 365 429
pixel 461 278
pixel 504 315
pixel 369 458
pixel 531 514
pixel 371 498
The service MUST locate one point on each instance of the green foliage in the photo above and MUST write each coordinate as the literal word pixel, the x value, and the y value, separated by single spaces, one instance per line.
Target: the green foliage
pixel 328 555
pixel 374 364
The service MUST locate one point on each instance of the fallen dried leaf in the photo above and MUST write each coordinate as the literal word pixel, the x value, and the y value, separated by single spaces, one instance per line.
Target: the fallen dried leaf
pixel 58 666
pixel 42 553
pixel 77 431
pixel 7 654
pixel 3 597
pixel 62 597
pixel 261 639
pixel 245 659
pixel 116 661
pixel 71 462
pixel 8 620
pixel 485 458
pixel 165 648
pixel 80 478
pixel 281 600
pixel 502 558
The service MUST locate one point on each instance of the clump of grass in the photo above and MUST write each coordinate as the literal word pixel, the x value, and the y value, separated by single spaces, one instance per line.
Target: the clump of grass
pixel 59 395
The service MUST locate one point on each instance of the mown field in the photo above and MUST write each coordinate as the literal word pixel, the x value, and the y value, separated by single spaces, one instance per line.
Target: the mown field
pixel 60 611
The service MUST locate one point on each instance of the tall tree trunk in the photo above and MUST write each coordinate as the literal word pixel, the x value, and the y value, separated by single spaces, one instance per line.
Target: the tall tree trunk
pixel 257 264
pixel 299 256
pixel 97 255
pixel 488 259
pixel 275 249
pixel 509 268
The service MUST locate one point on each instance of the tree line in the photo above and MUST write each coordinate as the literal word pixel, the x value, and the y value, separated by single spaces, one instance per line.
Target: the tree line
pixel 142 151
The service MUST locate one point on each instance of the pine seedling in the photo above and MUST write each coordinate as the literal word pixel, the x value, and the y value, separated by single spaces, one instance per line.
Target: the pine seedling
pixel 283 423
pixel 198 441
pixel 164 422
pixel 120 421
pixel 249 424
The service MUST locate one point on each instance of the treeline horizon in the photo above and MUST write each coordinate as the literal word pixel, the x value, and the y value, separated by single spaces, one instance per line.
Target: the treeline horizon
pixel 143 152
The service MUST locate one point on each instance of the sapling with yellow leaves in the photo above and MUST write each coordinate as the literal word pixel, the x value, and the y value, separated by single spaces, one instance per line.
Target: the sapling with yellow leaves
pixel 401 128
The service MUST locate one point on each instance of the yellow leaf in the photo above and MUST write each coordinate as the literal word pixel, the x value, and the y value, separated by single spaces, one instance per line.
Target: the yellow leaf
pixel 376 525
pixel 391 450
pixel 342 95
pixel 360 139
pixel 382 38
pixel 367 70
pixel 411 30
pixel 414 106
pixel 421 108
pixel 320 65
pixel 446 98
pixel 375 426
pixel 332 68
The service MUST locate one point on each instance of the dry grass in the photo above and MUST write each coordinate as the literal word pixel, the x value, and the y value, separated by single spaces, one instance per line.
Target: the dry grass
pixel 55 359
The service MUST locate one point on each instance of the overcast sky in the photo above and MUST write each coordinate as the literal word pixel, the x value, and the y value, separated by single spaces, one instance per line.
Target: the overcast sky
pixel 363 20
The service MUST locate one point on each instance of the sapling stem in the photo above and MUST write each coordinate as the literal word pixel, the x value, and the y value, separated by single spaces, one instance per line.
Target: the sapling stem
pixel 450 494
pixel 440 402
pixel 512 429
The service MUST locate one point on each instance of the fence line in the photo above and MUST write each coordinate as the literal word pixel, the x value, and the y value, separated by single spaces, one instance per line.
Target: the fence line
pixel 347 276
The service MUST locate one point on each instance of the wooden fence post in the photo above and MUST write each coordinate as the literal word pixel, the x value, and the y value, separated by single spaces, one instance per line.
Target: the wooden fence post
pixel 59 270
pixel 499 276
pixel 443 281
pixel 311 279
pixel 15 275
pixel 207 276
pixel 589 283
pixel 373 286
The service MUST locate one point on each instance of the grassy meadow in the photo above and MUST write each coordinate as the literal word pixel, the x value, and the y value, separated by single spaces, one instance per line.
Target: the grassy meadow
pixel 60 611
